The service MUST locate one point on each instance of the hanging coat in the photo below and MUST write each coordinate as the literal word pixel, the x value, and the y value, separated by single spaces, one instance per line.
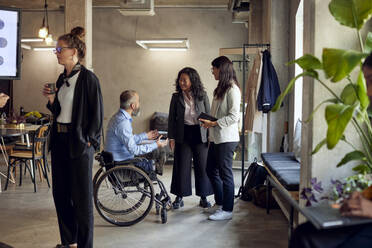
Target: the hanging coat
pixel 253 85
pixel 269 89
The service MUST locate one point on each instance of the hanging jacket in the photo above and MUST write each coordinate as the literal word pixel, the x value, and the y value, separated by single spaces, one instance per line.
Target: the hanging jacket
pixel 252 114
pixel 269 89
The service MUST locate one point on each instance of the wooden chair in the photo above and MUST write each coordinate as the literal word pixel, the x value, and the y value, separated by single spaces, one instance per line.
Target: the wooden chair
pixel 37 156
pixel 22 146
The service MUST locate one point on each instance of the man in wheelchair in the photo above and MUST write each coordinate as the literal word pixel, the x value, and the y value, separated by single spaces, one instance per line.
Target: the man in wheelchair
pixel 120 140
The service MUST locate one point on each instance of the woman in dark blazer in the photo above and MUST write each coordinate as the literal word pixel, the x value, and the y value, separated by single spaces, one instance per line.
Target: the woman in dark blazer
pixel 77 111
pixel 187 138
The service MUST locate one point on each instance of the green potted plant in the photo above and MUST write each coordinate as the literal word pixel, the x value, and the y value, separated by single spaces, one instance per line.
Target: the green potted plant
pixel 340 190
pixel 349 107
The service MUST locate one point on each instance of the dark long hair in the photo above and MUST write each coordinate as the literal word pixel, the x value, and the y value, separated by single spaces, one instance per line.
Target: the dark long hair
pixel 227 76
pixel 197 87
pixel 368 61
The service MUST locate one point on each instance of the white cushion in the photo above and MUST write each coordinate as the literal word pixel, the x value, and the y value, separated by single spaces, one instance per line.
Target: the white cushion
pixel 297 140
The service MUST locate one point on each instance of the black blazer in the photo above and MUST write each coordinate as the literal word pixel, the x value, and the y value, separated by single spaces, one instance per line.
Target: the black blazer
pixel 177 116
pixel 87 113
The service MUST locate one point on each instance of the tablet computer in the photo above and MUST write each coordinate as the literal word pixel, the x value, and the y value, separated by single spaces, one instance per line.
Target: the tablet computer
pixel 207 117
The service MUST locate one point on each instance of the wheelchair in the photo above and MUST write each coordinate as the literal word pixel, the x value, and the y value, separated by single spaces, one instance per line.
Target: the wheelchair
pixel 124 193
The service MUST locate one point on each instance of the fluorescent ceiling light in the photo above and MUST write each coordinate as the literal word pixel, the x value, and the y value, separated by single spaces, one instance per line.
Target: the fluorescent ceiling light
pixel 180 49
pixel 32 40
pixel 141 44
pixel 164 44
pixel 160 41
pixel 137 7
pixel 26 46
pixel 43 48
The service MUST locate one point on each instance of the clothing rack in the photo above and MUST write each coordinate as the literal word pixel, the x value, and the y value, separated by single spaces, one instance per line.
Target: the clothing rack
pixel 240 63
pixel 267 45
pixel 256 45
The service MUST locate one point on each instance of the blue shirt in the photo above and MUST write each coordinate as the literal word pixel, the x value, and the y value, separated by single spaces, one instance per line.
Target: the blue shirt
pixel 121 141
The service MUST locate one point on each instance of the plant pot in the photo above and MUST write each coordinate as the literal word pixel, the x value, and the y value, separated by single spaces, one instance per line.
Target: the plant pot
pixel 336 204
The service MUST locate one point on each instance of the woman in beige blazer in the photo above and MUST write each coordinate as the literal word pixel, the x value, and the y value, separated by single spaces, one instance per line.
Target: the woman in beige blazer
pixel 223 137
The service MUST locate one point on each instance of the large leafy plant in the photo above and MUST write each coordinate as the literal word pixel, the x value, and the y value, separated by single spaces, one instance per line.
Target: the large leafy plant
pixel 337 65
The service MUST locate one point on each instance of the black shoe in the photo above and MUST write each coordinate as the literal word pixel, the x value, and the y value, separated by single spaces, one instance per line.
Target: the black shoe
pixel 61 246
pixel 204 203
pixel 178 203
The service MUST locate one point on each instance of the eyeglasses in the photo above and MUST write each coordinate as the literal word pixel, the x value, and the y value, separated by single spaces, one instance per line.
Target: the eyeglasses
pixel 59 49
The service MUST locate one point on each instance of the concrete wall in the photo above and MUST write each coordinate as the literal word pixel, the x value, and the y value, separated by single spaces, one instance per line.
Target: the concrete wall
pixel 269 23
pixel 279 40
pixel 121 64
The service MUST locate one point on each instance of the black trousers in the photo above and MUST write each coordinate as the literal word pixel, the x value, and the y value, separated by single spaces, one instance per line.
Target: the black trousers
pixel 307 236
pixel 192 148
pixel 73 192
pixel 219 170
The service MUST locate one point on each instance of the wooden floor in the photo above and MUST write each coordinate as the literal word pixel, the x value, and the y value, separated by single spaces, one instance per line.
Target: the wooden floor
pixel 28 219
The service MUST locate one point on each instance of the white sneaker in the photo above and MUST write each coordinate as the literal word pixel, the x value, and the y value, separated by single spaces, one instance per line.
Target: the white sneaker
pixel 221 215
pixel 214 209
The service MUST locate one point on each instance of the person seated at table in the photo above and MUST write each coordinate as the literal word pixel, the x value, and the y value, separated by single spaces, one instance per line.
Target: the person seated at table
pixel 120 140
pixel 367 72
pixel 306 235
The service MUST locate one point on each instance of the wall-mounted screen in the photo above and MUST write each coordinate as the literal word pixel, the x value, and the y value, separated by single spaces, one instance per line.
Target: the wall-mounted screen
pixel 10 43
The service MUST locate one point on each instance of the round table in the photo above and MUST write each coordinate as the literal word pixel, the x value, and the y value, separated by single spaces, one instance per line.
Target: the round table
pixel 9 132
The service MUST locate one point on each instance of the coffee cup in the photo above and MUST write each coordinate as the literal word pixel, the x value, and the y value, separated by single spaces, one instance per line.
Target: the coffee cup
pixel 52 87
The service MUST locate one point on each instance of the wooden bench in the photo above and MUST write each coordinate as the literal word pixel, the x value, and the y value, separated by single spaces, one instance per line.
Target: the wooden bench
pixel 283 182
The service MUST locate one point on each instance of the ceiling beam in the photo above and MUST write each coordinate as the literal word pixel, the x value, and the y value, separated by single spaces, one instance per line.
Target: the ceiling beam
pixel 38 5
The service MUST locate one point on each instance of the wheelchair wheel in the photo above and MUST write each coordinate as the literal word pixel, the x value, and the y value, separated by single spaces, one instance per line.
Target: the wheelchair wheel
pixel 157 205
pixel 96 176
pixel 163 215
pixel 124 195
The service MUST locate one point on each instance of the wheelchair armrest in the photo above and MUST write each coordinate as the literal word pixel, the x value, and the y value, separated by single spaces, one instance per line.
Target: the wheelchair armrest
pixel 104 158
pixel 130 161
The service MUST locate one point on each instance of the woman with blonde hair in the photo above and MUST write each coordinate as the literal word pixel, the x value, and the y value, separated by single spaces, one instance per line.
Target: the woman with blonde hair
pixel 77 108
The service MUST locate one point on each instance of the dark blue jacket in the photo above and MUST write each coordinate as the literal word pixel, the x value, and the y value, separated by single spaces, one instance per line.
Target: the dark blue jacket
pixel 269 88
